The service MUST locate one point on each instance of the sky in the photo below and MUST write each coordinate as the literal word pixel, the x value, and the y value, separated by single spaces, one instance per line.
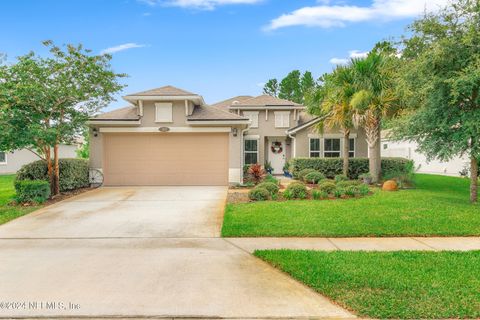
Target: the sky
pixel 216 48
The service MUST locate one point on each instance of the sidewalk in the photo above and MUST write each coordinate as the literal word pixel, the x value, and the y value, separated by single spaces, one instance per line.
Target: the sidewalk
pixel 359 244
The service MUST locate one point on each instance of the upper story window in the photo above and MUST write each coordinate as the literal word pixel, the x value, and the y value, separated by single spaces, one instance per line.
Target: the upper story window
pixel 252 116
pixel 331 148
pixel 163 112
pixel 3 157
pixel 314 148
pixel 282 119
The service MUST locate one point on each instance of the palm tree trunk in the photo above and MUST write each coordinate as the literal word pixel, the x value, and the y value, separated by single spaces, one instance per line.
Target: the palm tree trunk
pixel 56 171
pixel 473 179
pixel 375 163
pixel 346 149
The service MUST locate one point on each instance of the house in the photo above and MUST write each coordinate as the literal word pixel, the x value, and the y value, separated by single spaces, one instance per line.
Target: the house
pixel 11 162
pixel 169 136
pixel 408 150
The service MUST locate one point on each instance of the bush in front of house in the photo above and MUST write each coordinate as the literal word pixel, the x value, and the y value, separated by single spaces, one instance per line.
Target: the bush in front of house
pixel 327 186
pixel 73 173
pixel 36 191
pixel 331 167
pixel 314 177
pixel 272 179
pixel 319 195
pixel 348 183
pixel 259 194
pixel 270 186
pixel 256 173
pixel 295 190
pixel 340 177
pixel 301 175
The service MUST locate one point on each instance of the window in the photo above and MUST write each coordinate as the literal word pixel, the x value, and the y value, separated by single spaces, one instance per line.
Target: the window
pixel 282 119
pixel 314 148
pixel 3 157
pixel 251 151
pixel 331 148
pixel 253 116
pixel 163 112
pixel 385 146
pixel 351 148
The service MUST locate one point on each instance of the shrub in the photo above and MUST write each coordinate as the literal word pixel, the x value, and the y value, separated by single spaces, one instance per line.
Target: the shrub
pixel 259 194
pixel 32 190
pixel 348 183
pixel 272 179
pixel 314 177
pixel 340 177
pixel 270 186
pixel 296 190
pixel 301 175
pixel 256 173
pixel 331 167
pixel 339 192
pixel 363 190
pixel 351 191
pixel 73 173
pixel 318 195
pixel 327 186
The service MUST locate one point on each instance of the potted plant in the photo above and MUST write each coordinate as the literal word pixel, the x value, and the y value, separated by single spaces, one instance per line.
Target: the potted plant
pixel 366 177
pixel 268 167
pixel 286 170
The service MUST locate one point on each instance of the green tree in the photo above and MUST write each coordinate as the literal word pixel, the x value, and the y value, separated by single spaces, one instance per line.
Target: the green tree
pixel 46 101
pixel 290 87
pixel 375 98
pixel 307 83
pixel 84 150
pixel 332 100
pixel 441 85
pixel 271 88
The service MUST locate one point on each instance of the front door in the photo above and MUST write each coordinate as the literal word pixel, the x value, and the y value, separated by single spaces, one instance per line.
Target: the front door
pixel 277 154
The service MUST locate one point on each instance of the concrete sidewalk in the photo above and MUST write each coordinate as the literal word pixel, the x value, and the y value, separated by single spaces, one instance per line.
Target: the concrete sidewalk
pixel 359 244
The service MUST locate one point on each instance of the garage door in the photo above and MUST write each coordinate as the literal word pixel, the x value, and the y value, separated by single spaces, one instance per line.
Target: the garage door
pixel 165 159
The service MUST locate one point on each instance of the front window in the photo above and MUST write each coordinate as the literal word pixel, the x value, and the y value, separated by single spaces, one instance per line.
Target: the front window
pixel 331 148
pixel 314 148
pixel 252 116
pixel 351 148
pixel 3 157
pixel 251 151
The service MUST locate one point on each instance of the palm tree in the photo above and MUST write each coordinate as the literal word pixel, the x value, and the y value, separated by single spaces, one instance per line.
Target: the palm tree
pixel 373 100
pixel 332 100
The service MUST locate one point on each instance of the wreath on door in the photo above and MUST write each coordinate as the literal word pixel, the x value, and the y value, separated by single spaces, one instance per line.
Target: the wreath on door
pixel 276 147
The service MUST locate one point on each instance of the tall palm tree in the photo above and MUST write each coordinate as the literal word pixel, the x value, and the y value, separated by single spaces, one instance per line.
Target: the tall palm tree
pixel 373 100
pixel 332 100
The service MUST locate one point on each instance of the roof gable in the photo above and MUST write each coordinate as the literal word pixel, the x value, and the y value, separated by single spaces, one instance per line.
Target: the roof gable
pixel 228 102
pixel 266 100
pixel 164 91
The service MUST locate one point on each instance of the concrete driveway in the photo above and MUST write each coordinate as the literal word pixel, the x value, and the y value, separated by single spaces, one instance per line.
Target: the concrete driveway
pixel 141 252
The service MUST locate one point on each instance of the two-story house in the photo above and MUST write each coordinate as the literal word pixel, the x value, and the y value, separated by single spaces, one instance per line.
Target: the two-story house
pixel 169 136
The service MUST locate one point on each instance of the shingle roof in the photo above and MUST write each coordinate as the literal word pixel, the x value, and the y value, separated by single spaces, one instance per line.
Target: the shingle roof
pixel 125 113
pixel 226 103
pixel 266 100
pixel 164 91
pixel 205 113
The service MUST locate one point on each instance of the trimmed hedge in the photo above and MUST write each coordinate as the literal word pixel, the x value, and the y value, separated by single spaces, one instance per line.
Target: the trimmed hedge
pixel 331 167
pixel 32 190
pixel 270 186
pixel 259 194
pixel 73 173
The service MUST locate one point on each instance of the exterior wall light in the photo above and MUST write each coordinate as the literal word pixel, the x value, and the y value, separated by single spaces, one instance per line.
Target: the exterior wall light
pixel 234 132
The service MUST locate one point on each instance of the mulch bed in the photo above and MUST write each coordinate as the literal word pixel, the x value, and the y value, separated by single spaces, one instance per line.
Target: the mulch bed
pixel 58 198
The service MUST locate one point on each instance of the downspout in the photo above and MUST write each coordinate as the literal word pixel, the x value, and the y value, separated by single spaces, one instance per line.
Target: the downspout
pixel 242 156
pixel 294 140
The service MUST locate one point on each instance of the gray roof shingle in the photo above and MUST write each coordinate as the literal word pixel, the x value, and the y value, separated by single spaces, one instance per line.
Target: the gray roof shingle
pixel 164 91
pixel 125 113
pixel 205 113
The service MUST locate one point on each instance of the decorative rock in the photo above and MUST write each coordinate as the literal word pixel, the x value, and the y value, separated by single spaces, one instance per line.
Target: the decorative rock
pixel 390 185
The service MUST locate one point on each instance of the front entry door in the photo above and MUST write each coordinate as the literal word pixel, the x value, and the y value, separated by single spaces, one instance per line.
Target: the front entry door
pixel 277 154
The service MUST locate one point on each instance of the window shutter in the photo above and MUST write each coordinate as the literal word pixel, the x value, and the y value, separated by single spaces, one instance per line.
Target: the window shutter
pixel 163 112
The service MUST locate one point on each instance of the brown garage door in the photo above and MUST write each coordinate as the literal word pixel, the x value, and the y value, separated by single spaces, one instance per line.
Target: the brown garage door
pixel 136 159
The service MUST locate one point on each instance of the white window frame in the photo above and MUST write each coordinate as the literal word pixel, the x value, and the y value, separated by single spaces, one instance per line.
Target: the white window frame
pixel 245 151
pixel 319 152
pixel 282 119
pixel 325 151
pixel 354 147
pixel 253 116
pixel 169 107
pixel 6 160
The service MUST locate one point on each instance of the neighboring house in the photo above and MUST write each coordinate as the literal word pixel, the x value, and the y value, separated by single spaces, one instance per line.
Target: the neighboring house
pixel 11 162
pixel 169 136
pixel 408 150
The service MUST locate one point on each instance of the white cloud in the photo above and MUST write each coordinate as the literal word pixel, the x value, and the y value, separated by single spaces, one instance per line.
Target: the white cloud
pixel 198 4
pixel 339 61
pixel 327 16
pixel 122 47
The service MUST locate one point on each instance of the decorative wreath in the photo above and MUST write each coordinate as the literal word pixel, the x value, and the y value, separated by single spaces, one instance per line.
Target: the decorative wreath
pixel 276 147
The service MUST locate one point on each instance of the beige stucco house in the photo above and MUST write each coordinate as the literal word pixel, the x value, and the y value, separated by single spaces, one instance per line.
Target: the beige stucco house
pixel 169 136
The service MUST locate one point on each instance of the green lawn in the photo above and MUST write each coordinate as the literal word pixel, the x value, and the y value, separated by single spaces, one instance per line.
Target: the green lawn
pixel 402 285
pixel 438 206
pixel 7 192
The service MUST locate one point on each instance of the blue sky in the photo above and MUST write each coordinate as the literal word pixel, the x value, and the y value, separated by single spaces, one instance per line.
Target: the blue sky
pixel 217 48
